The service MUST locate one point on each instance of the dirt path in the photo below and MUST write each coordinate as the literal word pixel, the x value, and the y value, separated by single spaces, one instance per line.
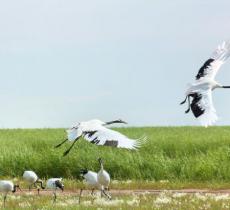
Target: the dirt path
pixel 126 192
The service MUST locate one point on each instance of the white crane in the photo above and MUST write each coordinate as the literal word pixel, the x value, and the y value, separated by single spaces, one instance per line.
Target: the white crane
pixel 31 178
pixel 94 131
pixel 103 178
pixel 54 184
pixel 201 90
pixel 7 186
pixel 90 178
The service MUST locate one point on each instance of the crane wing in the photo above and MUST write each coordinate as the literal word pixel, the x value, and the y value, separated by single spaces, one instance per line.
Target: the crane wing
pixel 203 109
pixel 213 64
pixel 108 137
pixel 73 133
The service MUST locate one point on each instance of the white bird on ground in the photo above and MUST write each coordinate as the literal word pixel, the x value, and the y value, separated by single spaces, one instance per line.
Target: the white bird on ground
pixel 103 178
pixel 55 184
pixel 32 179
pixel 94 131
pixel 90 178
pixel 201 90
pixel 6 187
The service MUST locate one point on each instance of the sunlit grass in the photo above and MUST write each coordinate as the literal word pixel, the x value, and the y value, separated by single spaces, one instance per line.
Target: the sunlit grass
pixel 172 153
pixel 184 153
pixel 173 158
pixel 145 200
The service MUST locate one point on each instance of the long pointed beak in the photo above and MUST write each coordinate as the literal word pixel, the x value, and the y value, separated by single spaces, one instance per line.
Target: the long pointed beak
pixel 124 122
pixel 225 86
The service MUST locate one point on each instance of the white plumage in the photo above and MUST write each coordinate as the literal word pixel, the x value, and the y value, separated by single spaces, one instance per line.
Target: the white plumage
pixel 103 178
pixel 201 90
pixel 90 180
pixel 94 131
pixel 31 178
pixel 54 184
pixel 6 187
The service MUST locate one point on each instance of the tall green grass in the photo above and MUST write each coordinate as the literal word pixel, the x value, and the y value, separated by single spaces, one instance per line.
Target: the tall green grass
pixel 171 153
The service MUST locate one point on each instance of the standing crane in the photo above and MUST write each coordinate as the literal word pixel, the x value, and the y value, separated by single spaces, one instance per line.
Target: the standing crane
pixel 90 178
pixel 32 178
pixel 103 178
pixel 7 186
pixel 55 184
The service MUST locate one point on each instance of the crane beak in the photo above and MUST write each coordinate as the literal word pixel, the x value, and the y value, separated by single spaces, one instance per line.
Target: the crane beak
pixel 100 160
pixel 122 121
pixel 225 86
pixel 115 121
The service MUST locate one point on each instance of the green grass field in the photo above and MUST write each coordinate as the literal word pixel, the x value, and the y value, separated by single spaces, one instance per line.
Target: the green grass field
pixel 173 158
pixel 176 154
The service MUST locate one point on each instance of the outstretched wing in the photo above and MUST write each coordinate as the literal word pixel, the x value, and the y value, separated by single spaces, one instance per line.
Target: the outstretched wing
pixel 73 133
pixel 203 109
pixel 213 64
pixel 108 137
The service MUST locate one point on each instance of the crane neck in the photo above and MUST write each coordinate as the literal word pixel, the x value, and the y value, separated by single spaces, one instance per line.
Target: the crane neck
pixel 41 183
pixel 102 167
pixel 115 121
pixel 14 190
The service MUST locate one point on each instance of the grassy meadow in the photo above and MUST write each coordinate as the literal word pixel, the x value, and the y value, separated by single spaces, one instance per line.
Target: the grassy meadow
pixel 175 154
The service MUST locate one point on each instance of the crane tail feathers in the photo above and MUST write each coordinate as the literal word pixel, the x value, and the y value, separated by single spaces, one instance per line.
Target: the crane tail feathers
pixel 208 118
pixel 140 142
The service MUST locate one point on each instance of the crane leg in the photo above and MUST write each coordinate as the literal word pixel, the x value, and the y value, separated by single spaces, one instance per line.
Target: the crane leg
pixel 187 111
pixel 68 150
pixel 55 197
pixel 79 200
pixel 4 201
pixel 107 195
pixel 184 100
pixel 61 143
pixel 92 191
pixel 101 193
pixel 37 187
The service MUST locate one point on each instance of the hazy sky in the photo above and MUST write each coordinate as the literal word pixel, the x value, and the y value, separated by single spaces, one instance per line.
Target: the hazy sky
pixel 63 61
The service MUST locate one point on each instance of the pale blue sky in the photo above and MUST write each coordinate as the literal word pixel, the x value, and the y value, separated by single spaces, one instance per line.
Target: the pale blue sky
pixel 70 60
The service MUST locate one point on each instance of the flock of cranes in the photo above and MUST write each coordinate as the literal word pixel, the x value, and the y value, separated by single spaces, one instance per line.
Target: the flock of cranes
pixel 93 180
pixel 96 131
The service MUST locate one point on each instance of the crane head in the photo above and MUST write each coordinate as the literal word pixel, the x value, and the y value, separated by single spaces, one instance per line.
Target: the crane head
pixel 83 171
pixel 100 160
pixel 121 121
pixel 59 184
pixel 15 188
